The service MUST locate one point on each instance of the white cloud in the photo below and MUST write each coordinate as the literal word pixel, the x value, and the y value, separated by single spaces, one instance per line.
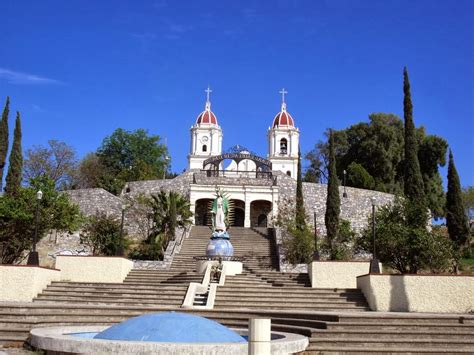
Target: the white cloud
pixel 15 77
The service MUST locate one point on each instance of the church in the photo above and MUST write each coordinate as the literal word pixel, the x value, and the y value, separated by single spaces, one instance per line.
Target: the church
pixel 250 180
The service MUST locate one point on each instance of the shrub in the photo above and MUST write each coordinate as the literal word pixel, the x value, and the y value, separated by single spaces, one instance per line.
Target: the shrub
pixel 101 234
pixel 298 244
pixel 403 240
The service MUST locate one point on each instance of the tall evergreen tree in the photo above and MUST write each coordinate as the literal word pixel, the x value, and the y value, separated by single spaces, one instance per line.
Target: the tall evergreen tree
pixel 14 176
pixel 300 217
pixel 456 219
pixel 333 201
pixel 173 216
pixel 413 180
pixel 4 140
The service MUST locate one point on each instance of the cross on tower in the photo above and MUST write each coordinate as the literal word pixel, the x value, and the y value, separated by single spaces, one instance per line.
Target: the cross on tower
pixel 283 92
pixel 208 91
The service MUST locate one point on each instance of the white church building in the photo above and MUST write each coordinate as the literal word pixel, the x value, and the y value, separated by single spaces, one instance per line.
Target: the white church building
pixel 248 179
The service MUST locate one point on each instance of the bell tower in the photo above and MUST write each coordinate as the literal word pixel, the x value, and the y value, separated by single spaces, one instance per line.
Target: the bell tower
pixel 283 141
pixel 206 136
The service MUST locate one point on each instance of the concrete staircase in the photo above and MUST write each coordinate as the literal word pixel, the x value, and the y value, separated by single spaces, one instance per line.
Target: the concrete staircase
pixel 334 320
pixel 329 333
pixel 261 286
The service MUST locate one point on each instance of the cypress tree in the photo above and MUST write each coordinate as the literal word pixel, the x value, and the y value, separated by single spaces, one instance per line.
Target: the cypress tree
pixel 173 215
pixel 413 181
pixel 333 202
pixel 14 176
pixel 4 140
pixel 300 217
pixel 456 219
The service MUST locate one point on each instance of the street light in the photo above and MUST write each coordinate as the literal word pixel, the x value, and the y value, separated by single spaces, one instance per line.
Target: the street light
pixel 120 250
pixel 167 158
pixel 316 251
pixel 344 194
pixel 33 258
pixel 374 263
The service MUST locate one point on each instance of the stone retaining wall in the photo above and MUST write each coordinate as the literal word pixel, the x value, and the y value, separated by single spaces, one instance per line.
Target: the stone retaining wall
pixel 356 207
pixel 418 293
pixel 22 283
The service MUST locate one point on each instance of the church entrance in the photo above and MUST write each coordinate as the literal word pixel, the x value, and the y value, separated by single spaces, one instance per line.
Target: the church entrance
pixel 237 218
pixel 202 214
pixel 260 212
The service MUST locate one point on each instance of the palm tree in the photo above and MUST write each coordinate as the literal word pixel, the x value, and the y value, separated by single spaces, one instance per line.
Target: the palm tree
pixel 169 210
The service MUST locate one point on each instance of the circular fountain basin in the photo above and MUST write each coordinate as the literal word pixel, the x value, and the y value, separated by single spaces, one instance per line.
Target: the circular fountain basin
pixel 79 340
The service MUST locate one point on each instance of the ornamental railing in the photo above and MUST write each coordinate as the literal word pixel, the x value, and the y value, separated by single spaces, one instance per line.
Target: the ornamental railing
pixel 233 177
pixel 238 174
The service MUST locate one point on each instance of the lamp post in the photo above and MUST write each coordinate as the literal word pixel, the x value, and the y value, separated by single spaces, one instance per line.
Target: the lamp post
pixel 374 263
pixel 166 166
pixel 316 251
pixel 120 250
pixel 33 258
pixel 344 194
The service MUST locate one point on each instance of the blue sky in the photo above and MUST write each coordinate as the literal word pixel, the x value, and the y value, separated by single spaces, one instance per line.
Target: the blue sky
pixel 77 70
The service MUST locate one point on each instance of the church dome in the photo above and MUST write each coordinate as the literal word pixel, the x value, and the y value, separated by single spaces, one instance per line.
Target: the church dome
pixel 283 118
pixel 207 116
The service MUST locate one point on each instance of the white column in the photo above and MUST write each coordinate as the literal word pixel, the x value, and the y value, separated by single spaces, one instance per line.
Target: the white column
pixel 192 208
pixel 247 212
pixel 290 148
pixel 259 336
pixel 195 142
pixel 274 143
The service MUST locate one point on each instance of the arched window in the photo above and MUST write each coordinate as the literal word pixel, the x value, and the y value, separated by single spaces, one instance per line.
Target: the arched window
pixel 288 173
pixel 204 148
pixel 283 146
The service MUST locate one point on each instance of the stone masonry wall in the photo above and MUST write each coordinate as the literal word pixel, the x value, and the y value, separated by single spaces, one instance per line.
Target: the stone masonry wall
pixel 91 201
pixel 356 207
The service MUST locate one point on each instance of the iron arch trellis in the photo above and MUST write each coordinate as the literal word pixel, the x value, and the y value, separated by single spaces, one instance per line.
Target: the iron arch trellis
pixel 261 163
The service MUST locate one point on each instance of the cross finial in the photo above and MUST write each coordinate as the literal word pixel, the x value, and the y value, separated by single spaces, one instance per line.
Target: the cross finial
pixel 283 92
pixel 208 92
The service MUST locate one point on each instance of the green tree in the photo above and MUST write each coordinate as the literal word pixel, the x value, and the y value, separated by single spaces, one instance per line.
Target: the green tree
pixel 131 156
pixel 90 173
pixel 17 218
pixel 378 147
pixel 357 176
pixel 168 211
pixel 315 171
pixel 333 202
pixel 468 200
pixel 405 247
pixel 300 215
pixel 14 175
pixel 431 154
pixel 343 246
pixel 101 233
pixel 456 219
pixel 4 140
pixel 412 178
pixel 298 244
pixel 57 161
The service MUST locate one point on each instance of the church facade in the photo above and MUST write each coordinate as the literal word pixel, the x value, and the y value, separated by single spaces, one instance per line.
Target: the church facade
pixel 250 180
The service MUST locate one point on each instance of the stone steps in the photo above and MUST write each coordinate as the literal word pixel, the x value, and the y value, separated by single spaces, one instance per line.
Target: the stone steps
pixel 113 300
pixel 305 322
pixel 392 342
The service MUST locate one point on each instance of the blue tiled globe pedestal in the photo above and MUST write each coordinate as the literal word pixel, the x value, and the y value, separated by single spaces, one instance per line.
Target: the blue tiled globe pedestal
pixel 219 247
